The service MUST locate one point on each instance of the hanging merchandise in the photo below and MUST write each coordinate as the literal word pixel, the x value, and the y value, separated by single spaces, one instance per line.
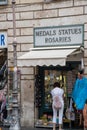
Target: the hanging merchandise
pixel 3 110
pixel 3 75
pixel 37 91
pixel 3 70
pixel 70 114
pixel 69 82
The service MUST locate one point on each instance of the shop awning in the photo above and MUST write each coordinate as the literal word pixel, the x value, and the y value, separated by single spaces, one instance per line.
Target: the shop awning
pixel 46 56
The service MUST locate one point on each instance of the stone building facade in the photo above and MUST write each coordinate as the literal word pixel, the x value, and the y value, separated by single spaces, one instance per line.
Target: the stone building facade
pixel 31 14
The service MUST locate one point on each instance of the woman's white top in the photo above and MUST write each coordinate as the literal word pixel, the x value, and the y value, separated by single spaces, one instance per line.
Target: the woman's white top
pixel 57 92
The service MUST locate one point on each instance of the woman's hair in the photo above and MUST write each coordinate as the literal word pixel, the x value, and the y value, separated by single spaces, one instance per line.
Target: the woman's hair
pixel 81 71
pixel 56 84
pixel 86 101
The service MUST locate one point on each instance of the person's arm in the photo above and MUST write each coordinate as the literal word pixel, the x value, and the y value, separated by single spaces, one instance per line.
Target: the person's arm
pixel 85 111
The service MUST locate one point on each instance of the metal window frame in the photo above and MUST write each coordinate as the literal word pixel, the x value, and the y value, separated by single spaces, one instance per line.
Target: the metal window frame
pixel 3 2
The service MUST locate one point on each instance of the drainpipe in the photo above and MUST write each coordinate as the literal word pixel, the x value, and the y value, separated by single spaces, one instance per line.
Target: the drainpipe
pixel 15 121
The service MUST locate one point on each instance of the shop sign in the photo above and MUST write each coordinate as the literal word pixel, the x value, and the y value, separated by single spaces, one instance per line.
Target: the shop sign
pixel 58 36
pixel 3 40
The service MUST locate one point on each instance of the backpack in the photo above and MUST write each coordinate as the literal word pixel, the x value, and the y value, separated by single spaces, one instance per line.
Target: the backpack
pixel 56 102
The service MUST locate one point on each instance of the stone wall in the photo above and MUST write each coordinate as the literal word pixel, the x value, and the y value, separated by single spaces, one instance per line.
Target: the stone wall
pixel 37 13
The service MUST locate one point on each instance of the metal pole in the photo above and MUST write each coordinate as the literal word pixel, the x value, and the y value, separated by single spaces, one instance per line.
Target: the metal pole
pixel 15 123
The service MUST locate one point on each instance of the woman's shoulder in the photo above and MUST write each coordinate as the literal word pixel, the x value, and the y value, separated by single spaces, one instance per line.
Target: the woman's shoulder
pixel 62 90
pixel 57 88
pixel 54 89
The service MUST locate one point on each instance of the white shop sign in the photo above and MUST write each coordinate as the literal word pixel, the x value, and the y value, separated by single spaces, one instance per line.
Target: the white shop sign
pixel 59 36
pixel 3 40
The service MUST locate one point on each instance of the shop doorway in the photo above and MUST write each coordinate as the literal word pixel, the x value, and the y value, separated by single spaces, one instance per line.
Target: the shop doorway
pixel 45 79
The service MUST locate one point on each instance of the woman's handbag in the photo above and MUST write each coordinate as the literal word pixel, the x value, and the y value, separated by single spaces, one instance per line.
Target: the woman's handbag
pixel 57 103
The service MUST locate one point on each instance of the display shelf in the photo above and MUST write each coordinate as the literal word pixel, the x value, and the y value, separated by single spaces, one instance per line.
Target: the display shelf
pixel 45 126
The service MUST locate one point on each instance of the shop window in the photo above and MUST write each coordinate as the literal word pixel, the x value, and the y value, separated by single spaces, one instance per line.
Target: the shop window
pixel 52 76
pixel 3 2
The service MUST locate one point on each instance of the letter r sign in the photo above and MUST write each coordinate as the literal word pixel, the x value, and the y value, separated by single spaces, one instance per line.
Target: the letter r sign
pixel 3 40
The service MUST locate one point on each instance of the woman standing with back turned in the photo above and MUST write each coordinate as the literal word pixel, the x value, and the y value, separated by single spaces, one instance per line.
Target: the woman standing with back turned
pixel 59 92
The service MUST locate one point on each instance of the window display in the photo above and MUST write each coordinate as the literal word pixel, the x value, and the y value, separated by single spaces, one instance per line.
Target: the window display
pixel 52 76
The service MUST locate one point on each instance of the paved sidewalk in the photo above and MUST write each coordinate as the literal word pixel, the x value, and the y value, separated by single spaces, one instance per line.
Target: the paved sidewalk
pixel 31 128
